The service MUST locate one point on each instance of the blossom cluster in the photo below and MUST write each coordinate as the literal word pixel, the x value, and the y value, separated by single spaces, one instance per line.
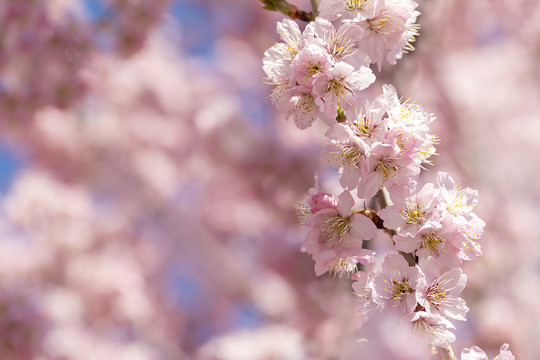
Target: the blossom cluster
pixel 322 71
pixel 384 145
pixel 389 26
pixel 318 72
pixel 435 227
pixel 379 147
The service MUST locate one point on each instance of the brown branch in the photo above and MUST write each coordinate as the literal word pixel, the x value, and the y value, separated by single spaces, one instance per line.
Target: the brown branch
pixel 383 199
pixel 315 7
pixel 290 10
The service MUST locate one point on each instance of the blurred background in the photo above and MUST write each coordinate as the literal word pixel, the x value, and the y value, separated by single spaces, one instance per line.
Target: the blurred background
pixel 148 186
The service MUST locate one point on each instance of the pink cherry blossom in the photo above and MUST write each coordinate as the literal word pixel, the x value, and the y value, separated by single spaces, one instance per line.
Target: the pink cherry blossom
pixel 320 201
pixel 390 32
pixel 303 108
pixel 337 235
pixel 394 288
pixel 441 239
pixel 386 168
pixel 312 61
pixel 347 152
pixel 475 353
pixel 457 201
pixel 349 10
pixel 339 43
pixel 317 71
pixel 438 293
pixel 415 212
pixel 434 329
pixel 341 87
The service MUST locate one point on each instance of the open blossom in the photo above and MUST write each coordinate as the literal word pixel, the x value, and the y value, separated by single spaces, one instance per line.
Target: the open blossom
pixel 346 152
pixel 340 43
pixel 411 215
pixel 475 353
pixel 438 293
pixel 312 62
pixel 399 141
pixel 382 145
pixel 457 201
pixel 341 87
pixel 389 26
pixel 336 238
pixel 410 125
pixel 302 108
pixel 363 289
pixel 434 329
pixel 369 125
pixel 386 168
pixel 349 10
pixel 395 286
pixel 473 229
pixel 390 32
pixel 440 239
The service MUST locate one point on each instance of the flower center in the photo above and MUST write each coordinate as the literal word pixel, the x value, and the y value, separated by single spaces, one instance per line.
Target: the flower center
pixel 387 167
pixel 340 46
pixel 355 4
pixel 413 214
pixel 459 205
pixel 335 228
pixel 433 243
pixel 343 266
pixel 435 295
pixel 350 155
pixel 400 289
pixel 380 24
pixel 364 128
pixel 313 68
pixel 338 87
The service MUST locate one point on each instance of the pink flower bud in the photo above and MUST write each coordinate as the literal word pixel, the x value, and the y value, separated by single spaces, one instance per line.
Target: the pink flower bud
pixel 321 201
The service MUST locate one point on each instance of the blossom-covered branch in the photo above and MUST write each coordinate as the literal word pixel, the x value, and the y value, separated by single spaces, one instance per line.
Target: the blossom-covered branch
pixel 379 147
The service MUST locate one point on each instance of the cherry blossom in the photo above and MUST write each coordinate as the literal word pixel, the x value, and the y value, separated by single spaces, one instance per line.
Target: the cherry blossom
pixel 414 212
pixel 390 32
pixel 434 329
pixel 336 238
pixel 475 353
pixel 349 10
pixel 395 286
pixel 438 293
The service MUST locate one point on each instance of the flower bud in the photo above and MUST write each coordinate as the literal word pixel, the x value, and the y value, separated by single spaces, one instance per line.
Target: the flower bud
pixel 321 201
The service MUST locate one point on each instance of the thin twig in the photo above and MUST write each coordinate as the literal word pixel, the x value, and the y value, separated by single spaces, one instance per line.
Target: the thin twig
pixel 315 7
pixel 290 10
